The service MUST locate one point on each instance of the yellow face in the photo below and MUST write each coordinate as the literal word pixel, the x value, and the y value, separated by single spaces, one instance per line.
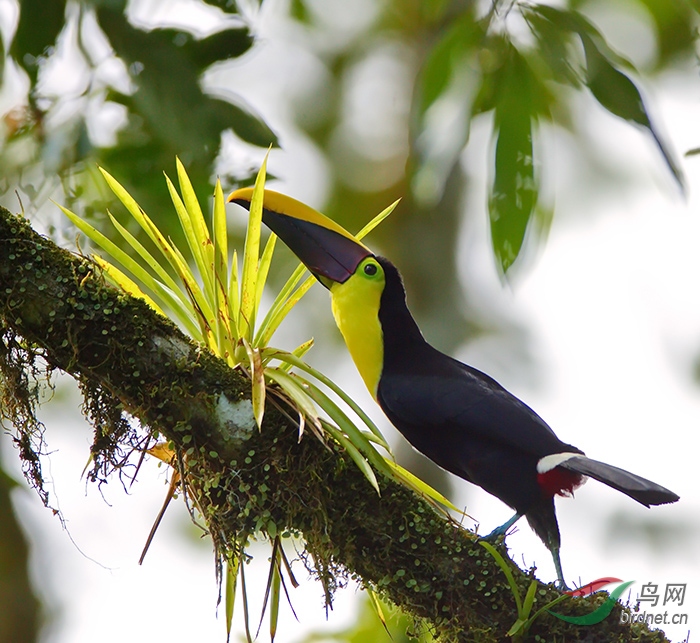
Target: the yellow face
pixel 356 311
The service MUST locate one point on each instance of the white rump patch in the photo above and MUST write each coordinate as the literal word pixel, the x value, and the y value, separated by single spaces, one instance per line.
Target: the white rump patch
pixel 550 461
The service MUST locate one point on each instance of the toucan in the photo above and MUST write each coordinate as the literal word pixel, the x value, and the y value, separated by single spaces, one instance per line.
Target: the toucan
pixel 457 416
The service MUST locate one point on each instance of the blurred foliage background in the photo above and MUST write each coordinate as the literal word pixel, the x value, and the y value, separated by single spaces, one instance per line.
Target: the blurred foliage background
pixel 393 92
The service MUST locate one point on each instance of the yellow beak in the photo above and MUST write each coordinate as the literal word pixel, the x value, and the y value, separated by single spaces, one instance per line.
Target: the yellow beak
pixel 329 251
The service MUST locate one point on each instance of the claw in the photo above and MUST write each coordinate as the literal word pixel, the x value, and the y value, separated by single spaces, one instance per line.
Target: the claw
pixel 501 531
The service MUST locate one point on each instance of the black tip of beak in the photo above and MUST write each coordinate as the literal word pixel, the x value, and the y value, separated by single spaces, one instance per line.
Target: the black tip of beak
pixel 330 256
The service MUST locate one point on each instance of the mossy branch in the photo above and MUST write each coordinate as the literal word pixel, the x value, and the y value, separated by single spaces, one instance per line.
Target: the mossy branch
pixel 57 311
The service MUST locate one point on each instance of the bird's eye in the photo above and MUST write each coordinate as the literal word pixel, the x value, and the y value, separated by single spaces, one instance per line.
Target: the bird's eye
pixel 371 269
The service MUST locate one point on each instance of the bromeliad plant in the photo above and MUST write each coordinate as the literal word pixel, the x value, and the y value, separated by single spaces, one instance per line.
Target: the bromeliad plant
pixel 519 630
pixel 219 306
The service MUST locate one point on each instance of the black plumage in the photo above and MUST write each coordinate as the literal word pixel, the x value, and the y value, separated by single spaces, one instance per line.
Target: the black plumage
pixel 467 423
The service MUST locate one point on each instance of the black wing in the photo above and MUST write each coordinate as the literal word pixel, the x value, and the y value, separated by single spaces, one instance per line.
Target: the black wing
pixel 441 396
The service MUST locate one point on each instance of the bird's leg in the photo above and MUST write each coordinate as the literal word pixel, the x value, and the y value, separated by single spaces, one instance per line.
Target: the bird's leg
pixel 561 583
pixel 501 531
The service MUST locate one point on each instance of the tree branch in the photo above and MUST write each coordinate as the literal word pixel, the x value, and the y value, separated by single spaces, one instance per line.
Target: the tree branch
pixel 55 307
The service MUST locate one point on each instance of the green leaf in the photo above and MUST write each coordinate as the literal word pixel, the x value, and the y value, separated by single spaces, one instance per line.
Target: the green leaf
pixel 618 94
pixel 357 438
pixel 492 66
pixel 150 260
pixel 563 19
pixel 553 47
pixel 189 220
pixel 303 348
pixel 509 575
pixel 296 392
pixel 284 356
pixel 168 291
pixel 361 462
pixel 246 122
pixel 184 312
pixel 220 234
pixel 125 283
pixel 514 191
pixel 234 304
pixel 265 331
pixel 377 607
pixel 446 58
pixel 257 377
pixel 232 565
pixel 168 250
pixel 192 218
pixel 516 628
pixel 300 13
pixel 202 308
pixel 206 253
pixel 226 337
pixel 675 29
pixel 612 88
pixel 279 312
pixel 377 220
pixel 170 113
pixel 288 568
pixel 519 97
pixel 529 598
pixel 169 86
pixel 419 486
pixel 443 98
pixel 246 611
pixel 522 624
pixel 251 254
pixel 39 25
pixel 544 609
pixel 435 11
pixel 274 567
pixel 220 46
pixel 264 268
pixel 275 595
pixel 298 352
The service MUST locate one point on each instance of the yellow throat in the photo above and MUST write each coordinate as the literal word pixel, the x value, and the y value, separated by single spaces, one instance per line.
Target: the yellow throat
pixel 356 310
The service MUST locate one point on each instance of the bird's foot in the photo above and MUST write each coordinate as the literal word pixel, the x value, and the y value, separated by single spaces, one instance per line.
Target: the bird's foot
pixel 561 583
pixel 502 530
pixel 494 535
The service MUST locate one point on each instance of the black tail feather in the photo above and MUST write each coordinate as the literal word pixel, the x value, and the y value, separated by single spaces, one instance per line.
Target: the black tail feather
pixel 640 489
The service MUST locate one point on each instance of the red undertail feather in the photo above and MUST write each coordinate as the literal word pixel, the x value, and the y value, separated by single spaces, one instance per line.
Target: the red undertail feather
pixel 559 482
